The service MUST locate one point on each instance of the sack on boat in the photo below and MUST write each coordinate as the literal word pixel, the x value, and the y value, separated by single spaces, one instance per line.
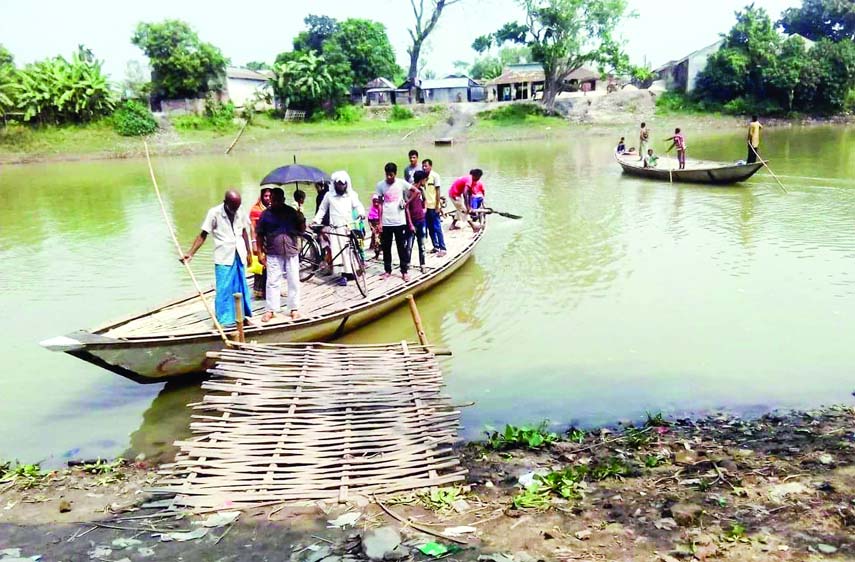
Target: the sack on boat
pixel 254 266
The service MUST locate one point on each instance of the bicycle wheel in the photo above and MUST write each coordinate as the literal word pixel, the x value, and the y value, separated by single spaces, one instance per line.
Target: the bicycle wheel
pixel 358 264
pixel 310 258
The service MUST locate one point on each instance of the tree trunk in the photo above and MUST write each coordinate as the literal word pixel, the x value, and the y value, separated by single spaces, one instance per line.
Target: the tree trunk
pixel 414 59
pixel 551 89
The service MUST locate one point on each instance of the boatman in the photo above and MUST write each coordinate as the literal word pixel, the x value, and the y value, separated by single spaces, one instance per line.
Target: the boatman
pixel 643 141
pixel 231 232
pixel 753 139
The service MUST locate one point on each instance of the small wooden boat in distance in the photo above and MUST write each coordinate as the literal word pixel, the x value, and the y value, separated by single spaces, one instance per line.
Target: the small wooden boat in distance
pixel 173 340
pixel 697 171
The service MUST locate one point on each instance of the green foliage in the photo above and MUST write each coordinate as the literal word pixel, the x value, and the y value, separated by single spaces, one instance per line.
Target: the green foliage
pixel 565 35
pixel 363 48
pixel 182 65
pixel 656 420
pixel 637 438
pixel 320 28
pixel 514 113
pixel 849 104
pixel 533 497
pixel 576 435
pixel 6 58
pixel 482 43
pixel 133 119
pixel 734 533
pixel 441 499
pixel 349 113
pixel 531 437
pixel 218 117
pixel 652 461
pixel 612 468
pixel 136 85
pixel 23 475
pixel 304 81
pixel 400 113
pixel 756 71
pixel 8 88
pixel 489 66
pixel 60 91
pixel 821 19
pixel 102 467
pixel 257 65
pixel 566 483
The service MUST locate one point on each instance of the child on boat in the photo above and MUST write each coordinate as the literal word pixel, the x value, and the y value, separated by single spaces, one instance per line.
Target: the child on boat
pixel 679 141
pixel 621 146
pixel 374 223
pixel 299 198
pixel 650 159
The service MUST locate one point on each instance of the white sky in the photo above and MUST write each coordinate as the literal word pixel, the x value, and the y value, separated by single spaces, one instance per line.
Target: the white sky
pixel 663 30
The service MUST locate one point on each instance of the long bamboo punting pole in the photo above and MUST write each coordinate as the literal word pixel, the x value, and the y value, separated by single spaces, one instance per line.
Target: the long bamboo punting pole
pixel 417 320
pixel 754 150
pixel 178 248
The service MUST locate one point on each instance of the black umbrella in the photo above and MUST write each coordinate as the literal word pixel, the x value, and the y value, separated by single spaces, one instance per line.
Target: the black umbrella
pixel 295 173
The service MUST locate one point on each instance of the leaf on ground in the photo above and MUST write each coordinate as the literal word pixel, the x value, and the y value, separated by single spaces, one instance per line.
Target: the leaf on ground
pixel 220 519
pixel 184 536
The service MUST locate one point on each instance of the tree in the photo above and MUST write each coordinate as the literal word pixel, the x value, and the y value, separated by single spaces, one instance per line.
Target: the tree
pixel 819 19
pixel 320 28
pixel 257 65
pixel 489 67
pixel 788 72
pixel 833 67
pixel 363 48
pixel 137 83
pixel 425 23
pixel 565 35
pixel 304 81
pixel 482 44
pixel 182 65
pixel 6 58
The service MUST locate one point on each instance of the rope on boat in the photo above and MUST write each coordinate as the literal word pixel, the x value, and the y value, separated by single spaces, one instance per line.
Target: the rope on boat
pixel 754 150
pixel 180 252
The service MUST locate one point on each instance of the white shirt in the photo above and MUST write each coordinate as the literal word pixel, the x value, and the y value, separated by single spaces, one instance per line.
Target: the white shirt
pixel 228 236
pixel 393 201
pixel 341 207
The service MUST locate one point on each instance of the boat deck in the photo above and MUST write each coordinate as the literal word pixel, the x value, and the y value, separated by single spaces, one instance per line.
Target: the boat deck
pixel 320 295
pixel 671 163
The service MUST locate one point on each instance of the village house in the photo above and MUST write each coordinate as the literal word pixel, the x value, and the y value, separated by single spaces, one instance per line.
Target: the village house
pixel 525 81
pixel 380 91
pixel 451 89
pixel 682 74
pixel 243 85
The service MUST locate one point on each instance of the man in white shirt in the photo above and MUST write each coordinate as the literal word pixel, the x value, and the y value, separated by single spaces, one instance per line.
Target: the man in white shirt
pixel 343 205
pixel 393 220
pixel 231 232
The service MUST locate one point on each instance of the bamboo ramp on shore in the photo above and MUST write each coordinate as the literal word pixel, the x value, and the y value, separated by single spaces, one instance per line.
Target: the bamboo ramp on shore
pixel 292 422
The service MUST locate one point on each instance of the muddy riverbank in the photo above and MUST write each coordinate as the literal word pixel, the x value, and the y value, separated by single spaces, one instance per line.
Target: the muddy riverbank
pixel 780 487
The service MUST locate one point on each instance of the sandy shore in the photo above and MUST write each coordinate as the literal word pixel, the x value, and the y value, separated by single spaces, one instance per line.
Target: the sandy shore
pixel 781 487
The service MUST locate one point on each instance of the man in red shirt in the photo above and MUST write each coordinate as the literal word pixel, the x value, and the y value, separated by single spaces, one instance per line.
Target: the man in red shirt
pixel 460 193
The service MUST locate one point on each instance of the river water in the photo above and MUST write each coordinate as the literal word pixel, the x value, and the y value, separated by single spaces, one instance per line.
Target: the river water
pixel 614 296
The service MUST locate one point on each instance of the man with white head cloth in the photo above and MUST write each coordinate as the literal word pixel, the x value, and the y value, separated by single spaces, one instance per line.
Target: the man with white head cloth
pixel 344 207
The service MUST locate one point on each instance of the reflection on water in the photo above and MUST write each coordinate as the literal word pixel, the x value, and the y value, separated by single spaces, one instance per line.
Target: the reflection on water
pixel 613 296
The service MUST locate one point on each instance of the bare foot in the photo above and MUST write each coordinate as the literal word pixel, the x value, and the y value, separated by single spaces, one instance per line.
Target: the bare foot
pixel 268 316
pixel 295 315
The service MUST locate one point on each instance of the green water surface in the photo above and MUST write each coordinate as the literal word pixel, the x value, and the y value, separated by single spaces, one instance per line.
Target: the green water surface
pixel 612 297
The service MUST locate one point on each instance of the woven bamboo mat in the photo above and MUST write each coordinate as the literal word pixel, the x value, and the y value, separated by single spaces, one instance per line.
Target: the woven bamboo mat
pixel 316 421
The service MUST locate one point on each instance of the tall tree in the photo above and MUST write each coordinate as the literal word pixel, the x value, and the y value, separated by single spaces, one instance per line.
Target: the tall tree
pixel 425 22
pixel 6 58
pixel 319 29
pixel 181 64
pixel 363 47
pixel 565 35
pixel 257 65
pixel 818 19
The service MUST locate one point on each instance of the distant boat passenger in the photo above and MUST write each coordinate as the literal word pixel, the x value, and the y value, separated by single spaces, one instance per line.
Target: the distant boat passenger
pixel 621 146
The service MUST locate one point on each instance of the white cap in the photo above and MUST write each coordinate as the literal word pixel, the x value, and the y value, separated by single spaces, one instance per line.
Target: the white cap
pixel 341 177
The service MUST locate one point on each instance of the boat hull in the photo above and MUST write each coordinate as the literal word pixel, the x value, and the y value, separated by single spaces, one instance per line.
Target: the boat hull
pixel 722 175
pixel 158 359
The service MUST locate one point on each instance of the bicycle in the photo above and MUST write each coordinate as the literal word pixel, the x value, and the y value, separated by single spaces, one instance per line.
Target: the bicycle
pixel 311 258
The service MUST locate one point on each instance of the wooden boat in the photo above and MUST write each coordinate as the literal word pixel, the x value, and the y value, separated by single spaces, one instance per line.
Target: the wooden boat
pixel 173 339
pixel 697 171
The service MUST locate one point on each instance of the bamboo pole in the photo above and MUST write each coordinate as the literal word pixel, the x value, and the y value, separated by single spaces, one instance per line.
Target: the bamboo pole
pixel 417 320
pixel 213 316
pixel 237 138
pixel 757 154
pixel 239 316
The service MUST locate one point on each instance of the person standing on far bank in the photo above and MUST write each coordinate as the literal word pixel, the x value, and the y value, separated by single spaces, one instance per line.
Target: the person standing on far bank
pixel 230 230
pixel 753 139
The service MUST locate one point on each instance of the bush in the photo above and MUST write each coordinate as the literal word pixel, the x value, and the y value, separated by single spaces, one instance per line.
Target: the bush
pixel 515 112
pixel 676 102
pixel 218 117
pixel 751 106
pixel 850 101
pixel 133 119
pixel 348 114
pixel 400 113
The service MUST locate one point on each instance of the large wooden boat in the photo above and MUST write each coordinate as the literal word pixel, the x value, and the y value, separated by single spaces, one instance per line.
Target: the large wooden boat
pixel 173 339
pixel 697 171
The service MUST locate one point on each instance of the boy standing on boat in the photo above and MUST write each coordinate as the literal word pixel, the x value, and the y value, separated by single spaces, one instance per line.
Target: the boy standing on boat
pixel 231 231
pixel 393 220
pixel 433 217
pixel 753 139
pixel 643 140
pixel 278 231
pixel 416 217
pixel 679 141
